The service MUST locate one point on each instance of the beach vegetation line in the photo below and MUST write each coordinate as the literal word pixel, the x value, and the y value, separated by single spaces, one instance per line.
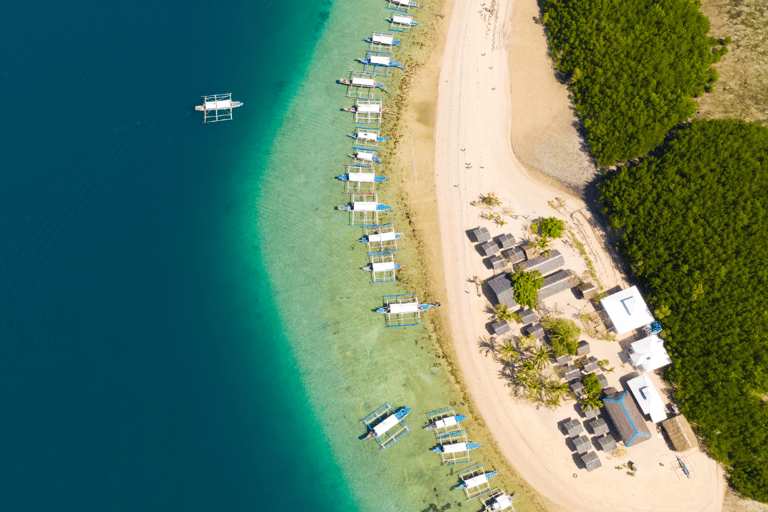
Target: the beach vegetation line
pixel 691 221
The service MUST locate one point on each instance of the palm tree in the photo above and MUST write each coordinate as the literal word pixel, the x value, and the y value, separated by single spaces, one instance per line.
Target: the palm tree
pixel 508 352
pixel 502 313
pixel 556 391
pixel 591 402
pixel 540 357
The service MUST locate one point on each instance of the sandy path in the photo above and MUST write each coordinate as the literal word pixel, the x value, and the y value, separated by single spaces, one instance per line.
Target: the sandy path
pixel 474 156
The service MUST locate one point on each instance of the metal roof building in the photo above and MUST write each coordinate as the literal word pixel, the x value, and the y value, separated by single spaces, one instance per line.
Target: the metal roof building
pixel 546 262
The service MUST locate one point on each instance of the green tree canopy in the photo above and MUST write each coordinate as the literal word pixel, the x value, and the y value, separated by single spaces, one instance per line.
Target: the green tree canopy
pixel 551 227
pixel 527 286
pixel 564 335
pixel 692 222
pixel 592 386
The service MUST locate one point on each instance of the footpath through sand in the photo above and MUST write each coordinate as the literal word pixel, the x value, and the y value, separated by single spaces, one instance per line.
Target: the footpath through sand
pixel 473 156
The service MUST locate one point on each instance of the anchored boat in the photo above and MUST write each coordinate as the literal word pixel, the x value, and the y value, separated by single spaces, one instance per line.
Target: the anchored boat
pixel 218 107
pixel 382 39
pixel 386 426
pixel 361 177
pixel 476 481
pixel 380 60
pixel 445 422
pixel 368 136
pixel 365 156
pixel 368 83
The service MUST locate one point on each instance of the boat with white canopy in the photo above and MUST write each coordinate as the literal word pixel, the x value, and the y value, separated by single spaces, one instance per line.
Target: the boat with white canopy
pixel 454 448
pixel 386 425
pixel 401 23
pixel 365 156
pixel 364 210
pixel 217 107
pixel 475 481
pixel 378 60
pixel 404 310
pixel 362 85
pixel 368 111
pixel 360 179
pixel 381 239
pixel 444 421
pixel 381 40
pixel 367 139
pixel 382 268
pixel 403 5
pixel 497 501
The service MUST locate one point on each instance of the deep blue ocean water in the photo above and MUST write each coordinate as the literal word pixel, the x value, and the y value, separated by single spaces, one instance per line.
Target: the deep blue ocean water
pixel 139 370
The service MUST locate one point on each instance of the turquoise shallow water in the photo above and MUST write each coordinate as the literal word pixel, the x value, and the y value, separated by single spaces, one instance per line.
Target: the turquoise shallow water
pixel 184 322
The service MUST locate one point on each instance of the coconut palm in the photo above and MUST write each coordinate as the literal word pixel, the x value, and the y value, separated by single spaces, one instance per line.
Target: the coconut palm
pixel 540 357
pixel 591 402
pixel 508 352
pixel 502 312
pixel 556 391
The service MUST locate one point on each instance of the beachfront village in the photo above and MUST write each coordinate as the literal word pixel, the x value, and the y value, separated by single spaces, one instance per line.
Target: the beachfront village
pixel 590 356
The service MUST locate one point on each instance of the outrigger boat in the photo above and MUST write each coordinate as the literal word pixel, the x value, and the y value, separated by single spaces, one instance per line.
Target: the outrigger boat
pixel 381 60
pixel 218 107
pixel 368 136
pixel 388 309
pixel 445 422
pixel 406 3
pixel 456 447
pixel 383 267
pixel 364 155
pixel 498 501
pixel 477 480
pixel 383 110
pixel 684 467
pixel 380 237
pixel 368 83
pixel 382 39
pixel 363 206
pixel 361 177
pixel 385 428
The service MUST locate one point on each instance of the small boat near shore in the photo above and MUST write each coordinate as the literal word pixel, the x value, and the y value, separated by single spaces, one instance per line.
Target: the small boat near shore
pixel 363 206
pixel 400 4
pixel 383 267
pixel 381 60
pixel 476 481
pixel 401 23
pixel 368 136
pixel 218 107
pixel 403 310
pixel 445 422
pixel 382 39
pixel 358 109
pixel 380 237
pixel 365 156
pixel 456 447
pixel 386 425
pixel 361 177
pixel 367 83
pixel 406 308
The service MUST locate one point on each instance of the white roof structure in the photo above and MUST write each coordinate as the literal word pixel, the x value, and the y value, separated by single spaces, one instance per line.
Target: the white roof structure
pixel 362 155
pixel 361 177
pixel 648 398
pixel 403 20
pixel 446 422
pixel 385 425
pixel 454 447
pixel 367 136
pixel 383 39
pixel 502 502
pixel 408 307
pixel 364 206
pixel 380 60
pixel 369 108
pixel 648 354
pixel 363 82
pixel 401 2
pixel 476 480
pixel 627 310
pixel 218 105
pixel 382 237
pixel 383 266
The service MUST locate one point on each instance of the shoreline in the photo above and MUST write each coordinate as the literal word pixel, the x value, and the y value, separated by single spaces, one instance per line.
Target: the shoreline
pixel 489 138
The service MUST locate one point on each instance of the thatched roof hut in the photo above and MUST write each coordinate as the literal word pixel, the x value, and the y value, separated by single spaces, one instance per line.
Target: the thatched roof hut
pixel 502 288
pixel 555 283
pixel 603 380
pixel 599 426
pixel 527 316
pixel 490 248
pixel 481 234
pixel 535 330
pixel 591 460
pixel 563 359
pixel 514 255
pixel 626 417
pixel 588 412
pixel 581 443
pixel 500 327
pixel 577 387
pixel 573 427
pixel 546 262
pixel 571 372
pixel 680 433
pixel 583 348
pixel 506 241
pixel 495 262
pixel 607 442
pixel 591 365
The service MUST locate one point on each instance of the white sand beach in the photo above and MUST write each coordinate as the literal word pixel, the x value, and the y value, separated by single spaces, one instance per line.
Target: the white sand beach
pixel 474 156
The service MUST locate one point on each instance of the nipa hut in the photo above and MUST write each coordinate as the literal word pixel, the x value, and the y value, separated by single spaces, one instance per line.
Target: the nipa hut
pixel 481 234
pixel 591 460
pixel 581 443
pixel 599 426
pixel 502 288
pixel 573 427
pixel 546 262
pixel 607 442
pixel 680 433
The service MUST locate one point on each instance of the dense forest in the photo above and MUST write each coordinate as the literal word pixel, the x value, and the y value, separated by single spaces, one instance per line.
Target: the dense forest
pixel 633 67
pixel 693 222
